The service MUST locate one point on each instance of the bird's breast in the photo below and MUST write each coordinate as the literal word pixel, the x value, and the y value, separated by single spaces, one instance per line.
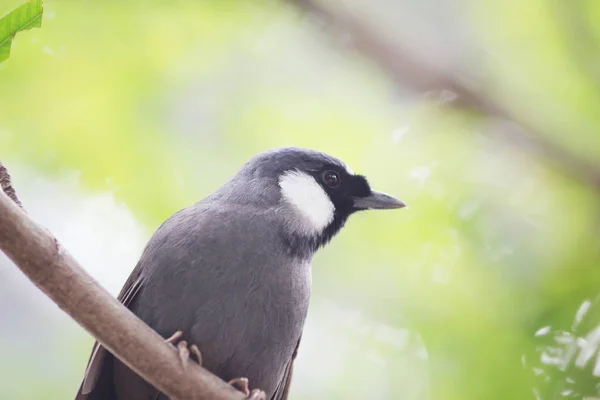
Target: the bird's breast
pixel 227 282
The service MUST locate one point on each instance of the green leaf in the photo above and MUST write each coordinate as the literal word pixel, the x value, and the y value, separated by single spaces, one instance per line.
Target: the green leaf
pixel 26 16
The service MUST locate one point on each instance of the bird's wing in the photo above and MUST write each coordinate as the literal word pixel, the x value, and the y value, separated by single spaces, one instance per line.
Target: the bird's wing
pixel 98 370
pixel 283 389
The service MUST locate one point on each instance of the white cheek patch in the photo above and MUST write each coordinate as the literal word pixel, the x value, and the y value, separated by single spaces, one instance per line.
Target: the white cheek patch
pixel 308 197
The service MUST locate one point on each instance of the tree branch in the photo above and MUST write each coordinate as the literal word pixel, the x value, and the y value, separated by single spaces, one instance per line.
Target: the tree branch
pixel 408 71
pixel 54 271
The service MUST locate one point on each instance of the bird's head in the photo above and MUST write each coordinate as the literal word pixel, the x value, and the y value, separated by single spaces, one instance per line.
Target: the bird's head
pixel 314 193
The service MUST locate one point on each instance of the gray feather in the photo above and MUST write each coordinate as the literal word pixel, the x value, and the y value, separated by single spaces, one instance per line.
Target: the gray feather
pixel 221 268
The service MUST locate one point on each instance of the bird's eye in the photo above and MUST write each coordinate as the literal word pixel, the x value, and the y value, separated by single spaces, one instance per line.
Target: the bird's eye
pixel 331 179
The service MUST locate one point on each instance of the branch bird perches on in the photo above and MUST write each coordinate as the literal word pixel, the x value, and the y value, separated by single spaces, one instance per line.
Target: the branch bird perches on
pixel 55 272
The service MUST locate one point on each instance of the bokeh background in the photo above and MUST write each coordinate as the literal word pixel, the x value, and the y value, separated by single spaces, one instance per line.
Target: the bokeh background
pixel 482 115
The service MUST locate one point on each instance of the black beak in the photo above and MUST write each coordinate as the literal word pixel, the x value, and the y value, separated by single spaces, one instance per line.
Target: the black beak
pixel 377 201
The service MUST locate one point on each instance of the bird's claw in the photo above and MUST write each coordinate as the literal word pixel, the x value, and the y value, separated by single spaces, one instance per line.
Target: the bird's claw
pixel 173 338
pixel 257 394
pixel 196 352
pixel 183 349
pixel 241 384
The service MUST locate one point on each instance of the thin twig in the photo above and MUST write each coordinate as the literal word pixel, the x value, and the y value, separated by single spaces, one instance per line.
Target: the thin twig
pixel 407 70
pixel 7 187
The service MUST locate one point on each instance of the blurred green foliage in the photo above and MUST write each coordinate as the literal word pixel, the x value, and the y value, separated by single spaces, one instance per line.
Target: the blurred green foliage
pixel 160 102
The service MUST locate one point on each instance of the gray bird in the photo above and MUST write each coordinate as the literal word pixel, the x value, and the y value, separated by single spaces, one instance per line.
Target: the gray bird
pixel 232 272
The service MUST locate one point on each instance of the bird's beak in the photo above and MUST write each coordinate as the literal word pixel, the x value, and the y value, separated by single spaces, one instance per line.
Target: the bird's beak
pixel 378 201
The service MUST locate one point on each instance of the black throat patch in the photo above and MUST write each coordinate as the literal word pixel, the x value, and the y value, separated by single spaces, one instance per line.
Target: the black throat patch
pixel 304 246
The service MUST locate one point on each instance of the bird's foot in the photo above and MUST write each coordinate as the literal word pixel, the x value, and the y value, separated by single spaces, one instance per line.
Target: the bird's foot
pixel 183 349
pixel 174 337
pixel 257 394
pixel 241 384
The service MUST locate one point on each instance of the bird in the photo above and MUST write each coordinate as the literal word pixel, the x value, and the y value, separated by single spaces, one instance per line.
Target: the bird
pixel 231 274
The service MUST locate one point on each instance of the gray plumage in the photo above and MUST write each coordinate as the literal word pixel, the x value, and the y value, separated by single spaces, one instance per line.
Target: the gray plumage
pixel 233 273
